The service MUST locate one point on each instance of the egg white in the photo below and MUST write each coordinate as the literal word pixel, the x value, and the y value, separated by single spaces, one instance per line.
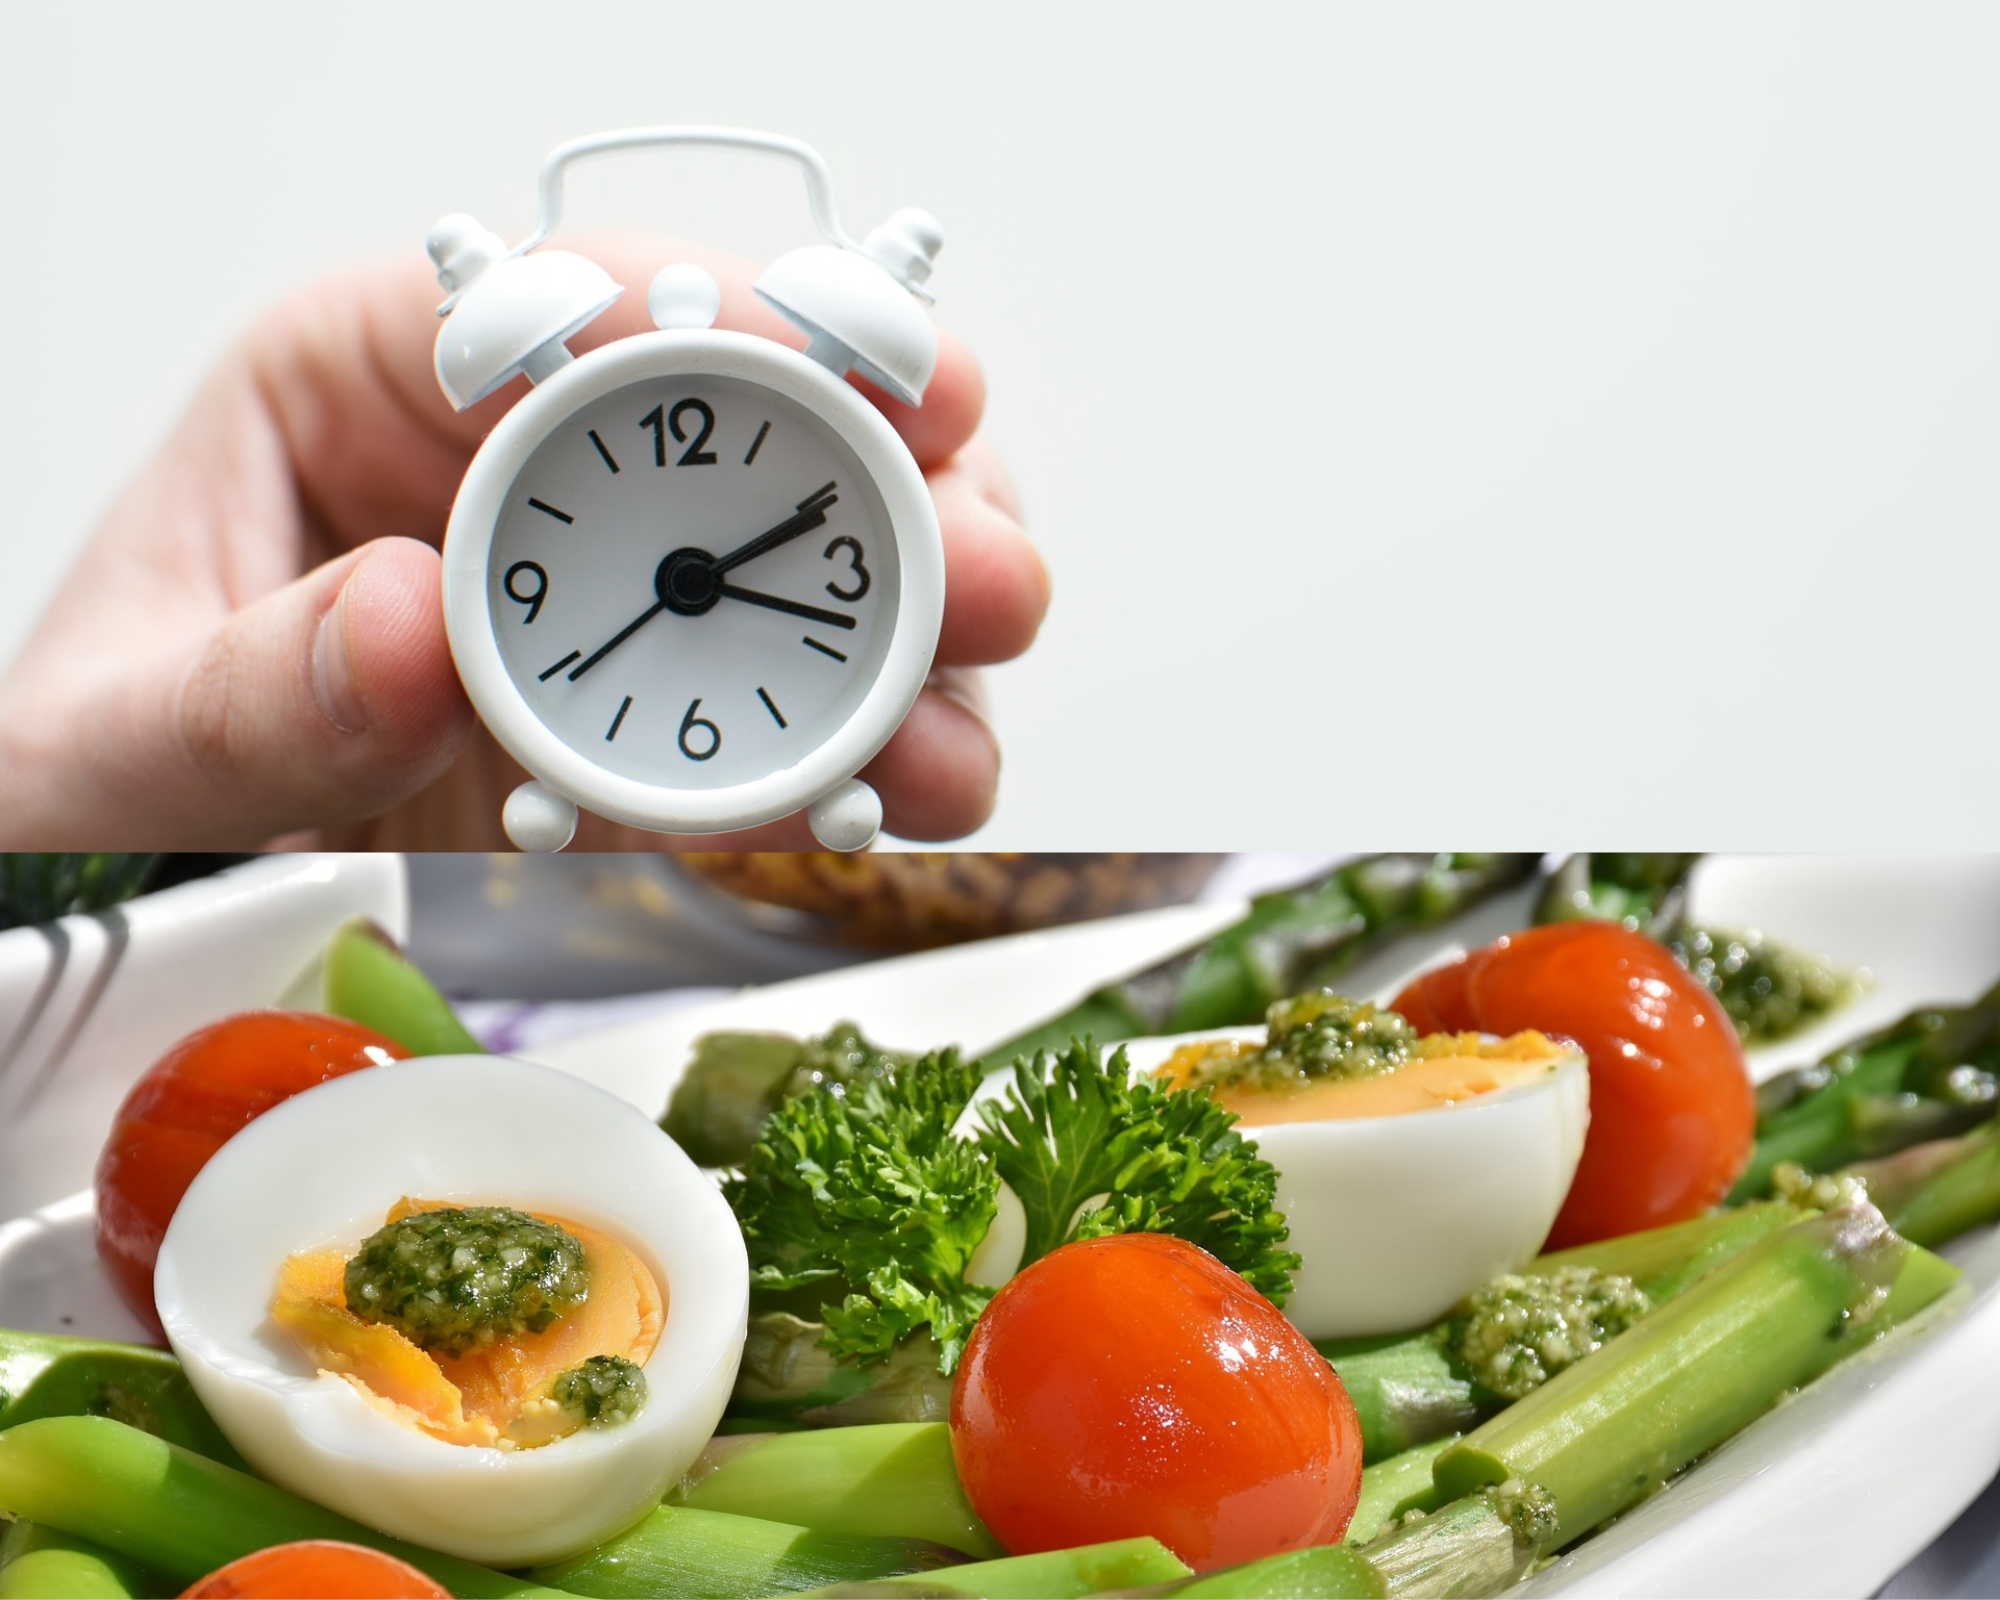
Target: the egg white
pixel 323 1169
pixel 1397 1218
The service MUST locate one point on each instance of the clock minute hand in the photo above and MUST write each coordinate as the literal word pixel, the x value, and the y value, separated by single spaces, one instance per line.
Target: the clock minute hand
pixel 797 608
pixel 617 639
pixel 810 514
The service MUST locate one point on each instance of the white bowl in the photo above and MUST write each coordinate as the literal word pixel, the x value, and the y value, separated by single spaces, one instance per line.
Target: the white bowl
pixel 88 1003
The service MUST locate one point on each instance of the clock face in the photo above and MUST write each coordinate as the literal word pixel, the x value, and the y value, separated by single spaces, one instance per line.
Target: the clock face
pixel 693 581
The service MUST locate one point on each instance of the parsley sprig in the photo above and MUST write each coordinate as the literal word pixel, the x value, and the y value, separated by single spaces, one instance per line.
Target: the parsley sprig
pixel 868 1200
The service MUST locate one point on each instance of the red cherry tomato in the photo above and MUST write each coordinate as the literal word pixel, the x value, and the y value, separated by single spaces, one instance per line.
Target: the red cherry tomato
pixel 1135 1385
pixel 316 1569
pixel 1672 1111
pixel 190 1101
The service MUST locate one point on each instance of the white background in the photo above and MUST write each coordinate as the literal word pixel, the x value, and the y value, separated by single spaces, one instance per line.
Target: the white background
pixel 1566 419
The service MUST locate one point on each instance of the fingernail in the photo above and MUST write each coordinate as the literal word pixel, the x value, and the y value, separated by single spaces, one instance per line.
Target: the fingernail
pixel 966 689
pixel 334 688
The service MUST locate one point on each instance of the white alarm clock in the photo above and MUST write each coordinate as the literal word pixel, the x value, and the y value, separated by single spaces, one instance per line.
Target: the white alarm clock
pixel 693 580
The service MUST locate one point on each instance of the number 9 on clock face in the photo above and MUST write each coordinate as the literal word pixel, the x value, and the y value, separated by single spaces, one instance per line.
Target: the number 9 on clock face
pixel 692 581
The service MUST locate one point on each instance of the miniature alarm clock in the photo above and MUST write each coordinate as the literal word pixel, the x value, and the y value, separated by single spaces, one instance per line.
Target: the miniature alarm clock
pixel 693 580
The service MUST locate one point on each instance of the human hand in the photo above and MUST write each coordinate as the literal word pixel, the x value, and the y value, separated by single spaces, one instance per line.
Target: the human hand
pixel 252 646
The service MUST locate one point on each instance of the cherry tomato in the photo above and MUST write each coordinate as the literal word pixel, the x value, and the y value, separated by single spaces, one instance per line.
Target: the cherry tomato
pixel 190 1101
pixel 317 1569
pixel 1672 1111
pixel 1135 1385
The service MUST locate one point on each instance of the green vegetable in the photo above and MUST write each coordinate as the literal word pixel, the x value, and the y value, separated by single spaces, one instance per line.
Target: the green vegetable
pixel 1769 990
pixel 1049 1575
pixel 601 1393
pixel 1645 892
pixel 38 1563
pixel 1168 1161
pixel 51 1375
pixel 1469 1547
pixel 868 1195
pixel 1387 1484
pixel 1293 940
pixel 181 1514
pixel 1321 1572
pixel 1934 1073
pixel 736 1080
pixel 366 979
pixel 1411 1388
pixel 1688 1376
pixel 788 1376
pixel 677 1553
pixel 459 1278
pixel 1520 1330
pixel 40 887
pixel 893 1480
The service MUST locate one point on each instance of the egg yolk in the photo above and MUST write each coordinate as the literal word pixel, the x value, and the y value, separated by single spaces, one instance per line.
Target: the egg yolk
pixel 497 1395
pixel 1456 1067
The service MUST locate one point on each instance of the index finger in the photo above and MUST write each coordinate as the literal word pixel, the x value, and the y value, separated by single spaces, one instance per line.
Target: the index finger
pixel 344 368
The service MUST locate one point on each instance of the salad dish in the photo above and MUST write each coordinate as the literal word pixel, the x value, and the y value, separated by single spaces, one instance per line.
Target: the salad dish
pixel 1443 1225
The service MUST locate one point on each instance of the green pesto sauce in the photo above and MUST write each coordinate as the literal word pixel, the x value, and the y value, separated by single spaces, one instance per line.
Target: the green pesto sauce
pixel 1311 1038
pixel 457 1279
pixel 1769 990
pixel 834 1059
pixel 602 1392
pixel 1521 1330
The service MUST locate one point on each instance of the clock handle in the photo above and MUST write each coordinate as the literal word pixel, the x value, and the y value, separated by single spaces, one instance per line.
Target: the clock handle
pixel 537 818
pixel 847 817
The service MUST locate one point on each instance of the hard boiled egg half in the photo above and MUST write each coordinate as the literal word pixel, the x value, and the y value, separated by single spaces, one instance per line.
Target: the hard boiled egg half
pixel 1408 1191
pixel 298 1191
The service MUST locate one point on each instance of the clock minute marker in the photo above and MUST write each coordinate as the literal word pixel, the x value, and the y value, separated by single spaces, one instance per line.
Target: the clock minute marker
pixel 823 649
pixel 548 510
pixel 601 450
pixel 756 444
pixel 618 720
pixel 549 672
pixel 770 705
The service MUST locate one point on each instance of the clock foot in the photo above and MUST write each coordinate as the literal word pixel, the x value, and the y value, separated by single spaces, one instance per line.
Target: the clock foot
pixel 537 818
pixel 847 816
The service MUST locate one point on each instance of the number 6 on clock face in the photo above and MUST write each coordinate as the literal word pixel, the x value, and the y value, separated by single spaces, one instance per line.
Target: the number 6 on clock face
pixel 693 581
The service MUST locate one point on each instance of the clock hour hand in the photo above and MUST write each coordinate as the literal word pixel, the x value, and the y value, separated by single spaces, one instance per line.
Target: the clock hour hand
pixel 811 514
pixel 729 591
pixel 617 639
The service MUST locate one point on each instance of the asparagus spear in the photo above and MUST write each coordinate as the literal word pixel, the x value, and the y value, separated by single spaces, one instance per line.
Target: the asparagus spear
pixel 1469 1547
pixel 677 1553
pixel 1409 1388
pixel 1387 1484
pixel 41 886
pixel 1594 1438
pixel 1319 1572
pixel 365 978
pixel 1934 1073
pixel 51 1375
pixel 181 1514
pixel 1048 1575
pixel 891 1479
pixel 1931 1193
pixel 36 1562
pixel 1293 939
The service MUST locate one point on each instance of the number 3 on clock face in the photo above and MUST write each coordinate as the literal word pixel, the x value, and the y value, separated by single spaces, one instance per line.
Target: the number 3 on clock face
pixel 697 598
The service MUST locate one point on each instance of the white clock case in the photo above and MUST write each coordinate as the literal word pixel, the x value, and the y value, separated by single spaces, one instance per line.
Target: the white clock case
pixel 919 600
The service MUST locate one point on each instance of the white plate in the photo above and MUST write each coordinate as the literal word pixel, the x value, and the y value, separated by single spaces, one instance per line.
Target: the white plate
pixel 1829 1495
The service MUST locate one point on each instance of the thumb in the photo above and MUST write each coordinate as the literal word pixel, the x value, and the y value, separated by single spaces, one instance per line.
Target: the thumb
pixel 328 700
